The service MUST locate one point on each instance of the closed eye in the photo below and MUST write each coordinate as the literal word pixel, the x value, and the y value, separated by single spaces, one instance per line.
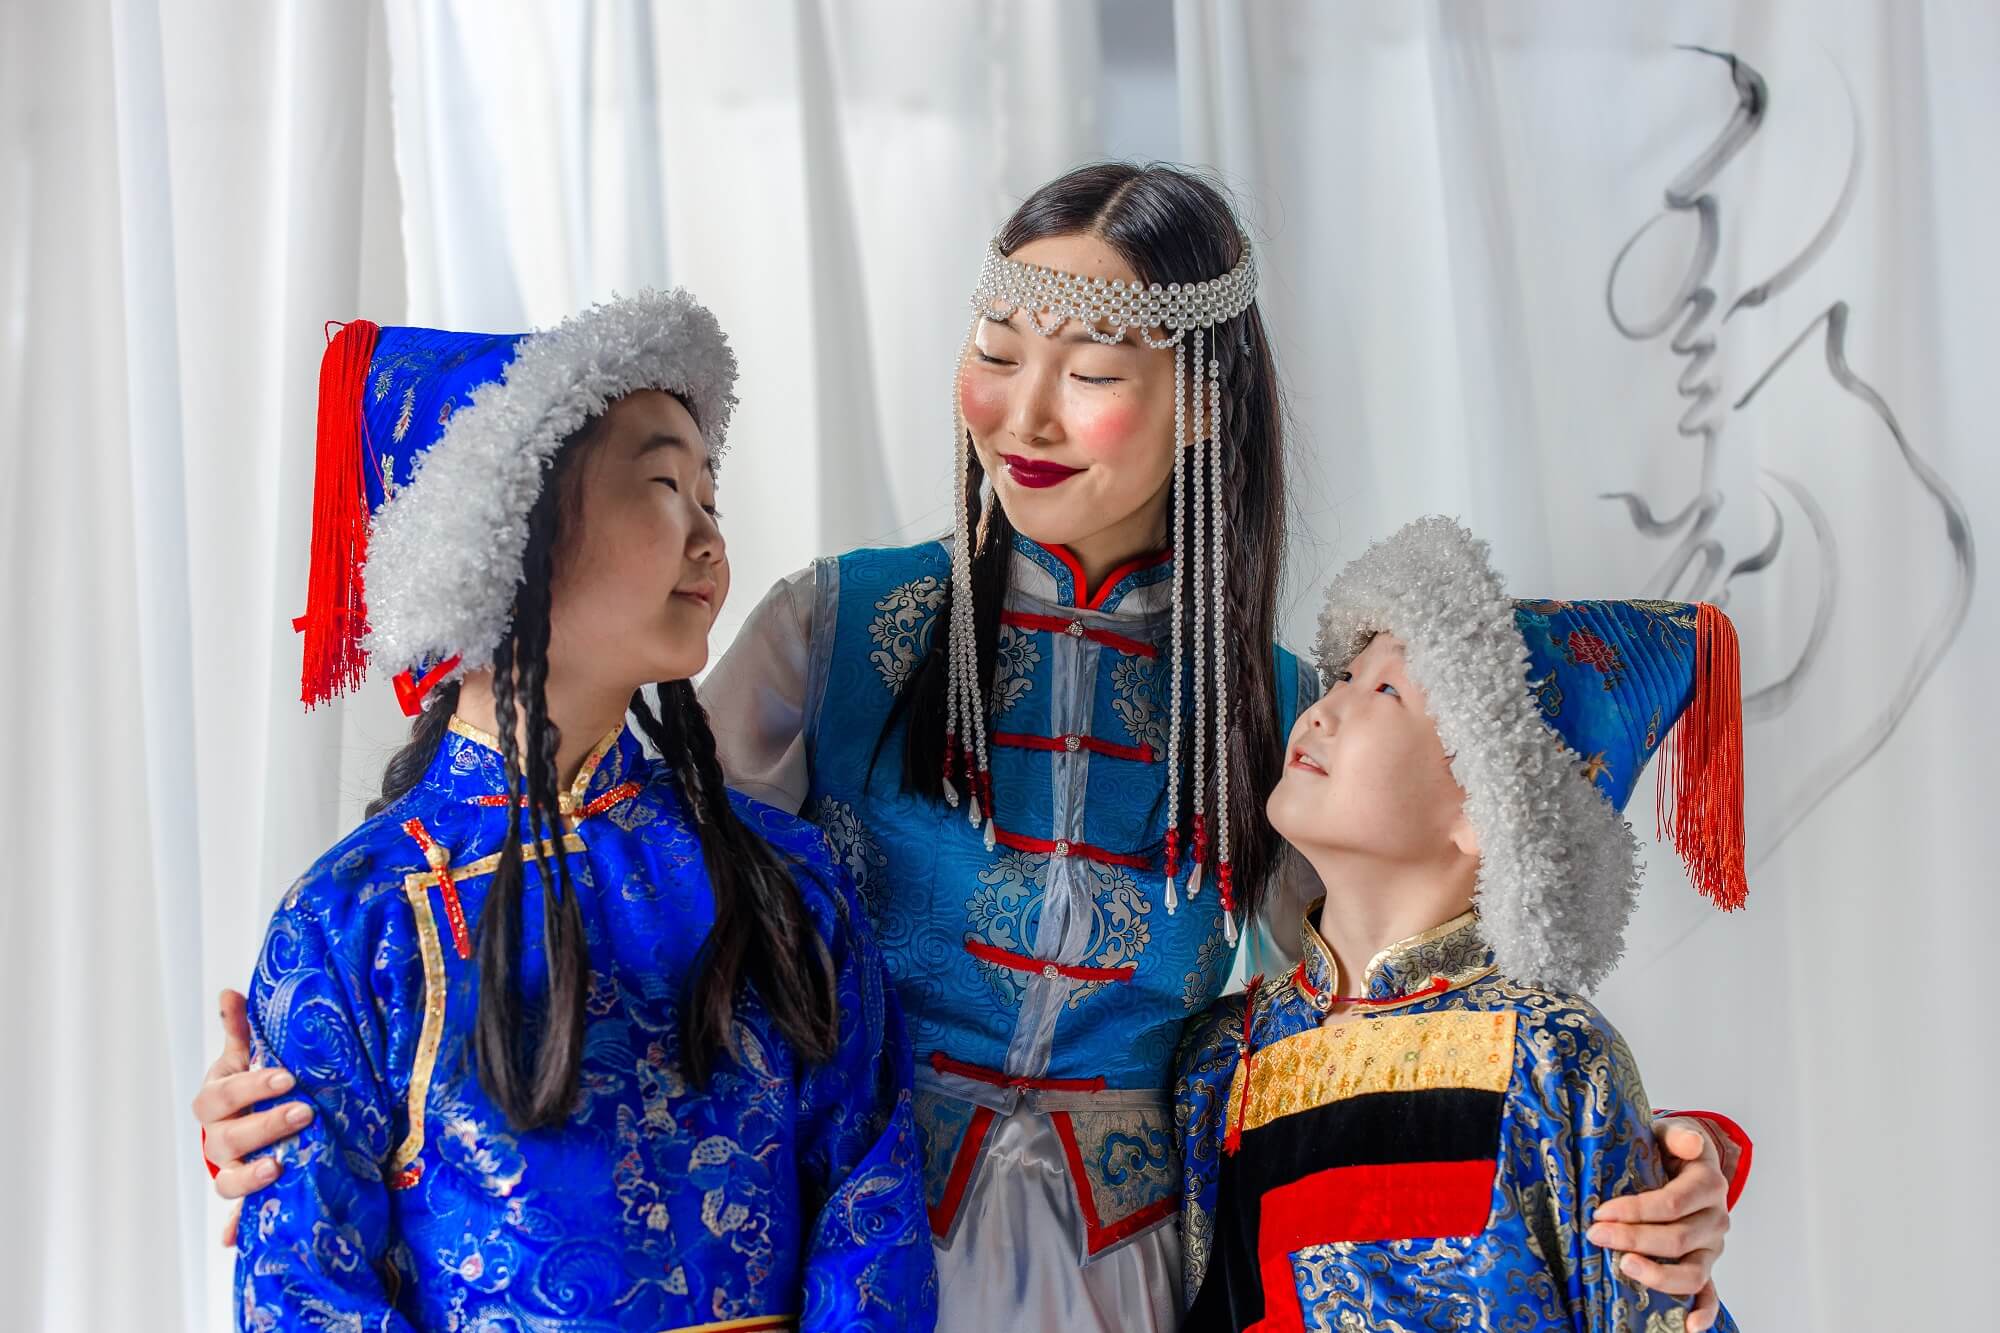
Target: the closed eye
pixel 989 359
pixel 1099 379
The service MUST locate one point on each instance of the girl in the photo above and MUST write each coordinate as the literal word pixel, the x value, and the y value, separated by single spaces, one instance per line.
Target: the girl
pixel 1042 749
pixel 591 1040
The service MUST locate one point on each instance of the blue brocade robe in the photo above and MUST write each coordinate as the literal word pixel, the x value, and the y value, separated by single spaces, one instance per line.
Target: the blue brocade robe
pixel 782 1195
pixel 1045 981
pixel 1431 1164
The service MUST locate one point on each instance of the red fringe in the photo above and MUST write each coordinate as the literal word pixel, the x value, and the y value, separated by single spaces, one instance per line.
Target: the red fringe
pixel 1700 791
pixel 1233 1140
pixel 336 615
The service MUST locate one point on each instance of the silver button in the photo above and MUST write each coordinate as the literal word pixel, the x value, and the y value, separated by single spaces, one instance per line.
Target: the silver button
pixel 1050 971
pixel 1074 629
pixel 1062 848
pixel 1072 743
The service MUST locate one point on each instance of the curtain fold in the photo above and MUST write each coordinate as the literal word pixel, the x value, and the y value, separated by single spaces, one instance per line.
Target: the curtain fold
pixel 1795 417
pixel 1442 194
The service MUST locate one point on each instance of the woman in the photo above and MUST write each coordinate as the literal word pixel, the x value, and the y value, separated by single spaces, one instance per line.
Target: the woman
pixel 591 1041
pixel 1014 684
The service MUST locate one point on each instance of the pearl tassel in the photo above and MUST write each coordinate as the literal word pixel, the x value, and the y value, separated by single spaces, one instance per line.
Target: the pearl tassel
pixel 963 706
pixel 1219 558
pixel 1109 312
pixel 1175 670
pixel 1197 567
pixel 959 544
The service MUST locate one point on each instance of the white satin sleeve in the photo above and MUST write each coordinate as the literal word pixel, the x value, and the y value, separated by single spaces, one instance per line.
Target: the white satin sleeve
pixel 756 696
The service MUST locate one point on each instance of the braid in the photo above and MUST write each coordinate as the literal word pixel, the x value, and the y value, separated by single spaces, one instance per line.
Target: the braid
pixel 499 1017
pixel 532 1071
pixel 762 936
pixel 560 1057
pixel 665 743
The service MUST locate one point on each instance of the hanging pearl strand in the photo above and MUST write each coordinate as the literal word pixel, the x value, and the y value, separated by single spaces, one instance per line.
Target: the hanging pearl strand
pixel 971 713
pixel 1199 584
pixel 960 523
pixel 964 708
pixel 1110 312
pixel 1219 557
pixel 1177 666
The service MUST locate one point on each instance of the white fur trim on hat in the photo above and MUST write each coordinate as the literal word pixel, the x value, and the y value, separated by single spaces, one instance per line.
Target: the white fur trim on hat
pixel 444 554
pixel 1559 867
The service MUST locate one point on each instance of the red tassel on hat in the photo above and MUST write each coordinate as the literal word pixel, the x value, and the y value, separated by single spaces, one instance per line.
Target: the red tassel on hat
pixel 336 616
pixel 1700 790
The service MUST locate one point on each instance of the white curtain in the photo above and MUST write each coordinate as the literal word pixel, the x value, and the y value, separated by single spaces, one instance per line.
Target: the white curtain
pixel 191 187
pixel 188 188
pixel 822 174
pixel 1442 191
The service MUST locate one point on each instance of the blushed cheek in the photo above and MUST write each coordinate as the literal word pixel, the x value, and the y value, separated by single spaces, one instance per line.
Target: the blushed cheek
pixel 1111 431
pixel 983 401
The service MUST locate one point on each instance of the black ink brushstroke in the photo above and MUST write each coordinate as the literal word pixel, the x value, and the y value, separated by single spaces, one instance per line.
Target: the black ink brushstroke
pixel 1705 419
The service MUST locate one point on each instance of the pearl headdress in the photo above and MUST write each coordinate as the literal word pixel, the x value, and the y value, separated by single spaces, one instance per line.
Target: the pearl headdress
pixel 1183 316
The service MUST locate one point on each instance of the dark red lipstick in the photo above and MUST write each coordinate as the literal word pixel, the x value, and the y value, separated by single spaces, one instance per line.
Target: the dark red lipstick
pixel 1035 473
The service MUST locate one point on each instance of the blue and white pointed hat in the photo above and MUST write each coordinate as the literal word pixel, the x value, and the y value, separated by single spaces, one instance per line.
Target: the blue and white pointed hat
pixel 1549 711
pixel 431 453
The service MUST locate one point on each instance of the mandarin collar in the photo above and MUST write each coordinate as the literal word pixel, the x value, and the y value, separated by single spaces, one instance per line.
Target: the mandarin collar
pixel 469 766
pixel 1054 575
pixel 1433 962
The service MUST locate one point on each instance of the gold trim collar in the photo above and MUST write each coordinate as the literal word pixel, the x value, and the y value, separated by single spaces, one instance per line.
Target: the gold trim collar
pixel 571 800
pixel 1401 974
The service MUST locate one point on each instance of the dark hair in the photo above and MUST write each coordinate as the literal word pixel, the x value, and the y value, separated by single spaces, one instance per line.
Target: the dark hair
pixel 1170 225
pixel 530 1064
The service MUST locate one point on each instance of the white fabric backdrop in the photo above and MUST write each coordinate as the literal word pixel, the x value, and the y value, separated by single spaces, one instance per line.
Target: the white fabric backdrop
pixel 1443 189
pixel 191 186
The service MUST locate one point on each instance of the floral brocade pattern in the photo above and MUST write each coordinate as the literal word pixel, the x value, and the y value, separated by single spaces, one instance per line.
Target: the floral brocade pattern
pixel 1015 658
pixel 1049 958
pixel 779 1189
pixel 901 628
pixel 1573 1130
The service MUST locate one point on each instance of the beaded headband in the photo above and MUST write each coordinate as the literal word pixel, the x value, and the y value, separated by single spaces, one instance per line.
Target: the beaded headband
pixel 1187 315
pixel 1108 310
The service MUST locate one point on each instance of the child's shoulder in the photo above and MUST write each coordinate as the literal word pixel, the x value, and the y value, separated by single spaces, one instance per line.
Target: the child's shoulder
pixel 1558 1032
pixel 1204 1064
pixel 1216 1028
pixel 789 835
pixel 1213 1040
pixel 351 880
pixel 824 884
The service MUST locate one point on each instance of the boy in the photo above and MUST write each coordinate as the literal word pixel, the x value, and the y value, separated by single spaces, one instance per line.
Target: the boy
pixel 1412 1129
